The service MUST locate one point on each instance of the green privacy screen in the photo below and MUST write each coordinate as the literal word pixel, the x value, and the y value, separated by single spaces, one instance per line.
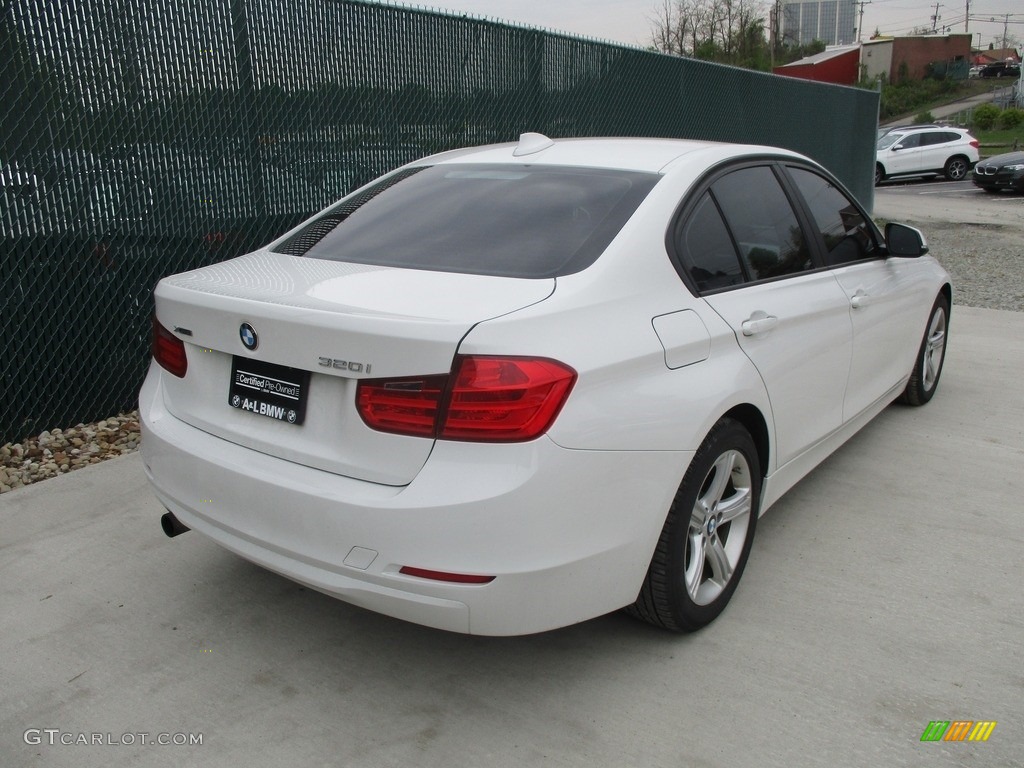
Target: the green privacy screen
pixel 146 137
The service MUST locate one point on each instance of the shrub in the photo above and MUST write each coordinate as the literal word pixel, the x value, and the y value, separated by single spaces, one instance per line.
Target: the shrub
pixel 1011 118
pixel 985 116
pixel 906 98
pixel 924 117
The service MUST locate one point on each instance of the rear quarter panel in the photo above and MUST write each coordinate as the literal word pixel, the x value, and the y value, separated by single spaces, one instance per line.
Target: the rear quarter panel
pixel 601 322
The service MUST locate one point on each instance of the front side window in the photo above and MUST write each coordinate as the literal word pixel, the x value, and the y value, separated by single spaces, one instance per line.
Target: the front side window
pixel 846 233
pixel 525 221
pixel 910 142
pixel 763 225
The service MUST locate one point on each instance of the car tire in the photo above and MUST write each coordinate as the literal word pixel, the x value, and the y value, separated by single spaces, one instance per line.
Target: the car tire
pixel 706 539
pixel 956 168
pixel 879 174
pixel 924 378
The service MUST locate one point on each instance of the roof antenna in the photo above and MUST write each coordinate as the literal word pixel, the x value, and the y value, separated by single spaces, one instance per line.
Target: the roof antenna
pixel 529 143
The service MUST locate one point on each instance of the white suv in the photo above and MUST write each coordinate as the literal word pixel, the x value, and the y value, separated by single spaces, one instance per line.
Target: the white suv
pixel 925 151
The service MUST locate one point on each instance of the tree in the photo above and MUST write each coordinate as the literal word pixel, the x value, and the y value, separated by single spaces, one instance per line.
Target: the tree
pixel 726 31
pixel 669 28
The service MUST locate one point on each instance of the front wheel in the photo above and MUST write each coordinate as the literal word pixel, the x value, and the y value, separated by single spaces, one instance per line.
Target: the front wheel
pixel 928 366
pixel 956 168
pixel 704 545
pixel 879 174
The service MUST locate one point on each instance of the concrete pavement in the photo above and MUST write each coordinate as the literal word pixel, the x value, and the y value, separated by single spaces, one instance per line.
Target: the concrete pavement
pixel 882 593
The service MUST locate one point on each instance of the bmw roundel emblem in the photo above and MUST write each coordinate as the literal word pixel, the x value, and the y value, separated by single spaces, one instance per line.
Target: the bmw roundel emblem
pixel 248 335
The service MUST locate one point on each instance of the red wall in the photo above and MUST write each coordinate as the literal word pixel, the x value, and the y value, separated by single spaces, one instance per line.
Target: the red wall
pixel 840 70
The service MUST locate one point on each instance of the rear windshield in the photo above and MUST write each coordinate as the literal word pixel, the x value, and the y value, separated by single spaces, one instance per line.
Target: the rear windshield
pixel 509 221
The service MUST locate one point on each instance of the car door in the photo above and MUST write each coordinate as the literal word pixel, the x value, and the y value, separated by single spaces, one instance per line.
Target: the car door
pixel 935 149
pixel 883 298
pixel 905 155
pixel 745 252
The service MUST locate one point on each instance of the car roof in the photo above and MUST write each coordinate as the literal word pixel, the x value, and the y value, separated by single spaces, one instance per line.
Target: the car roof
pixel 1008 157
pixel 927 129
pixel 635 154
pixel 905 128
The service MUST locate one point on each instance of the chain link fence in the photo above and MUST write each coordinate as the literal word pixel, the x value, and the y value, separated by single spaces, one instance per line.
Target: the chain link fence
pixel 146 137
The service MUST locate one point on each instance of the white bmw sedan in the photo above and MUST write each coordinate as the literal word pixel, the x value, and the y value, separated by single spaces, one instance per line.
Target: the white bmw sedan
pixel 510 388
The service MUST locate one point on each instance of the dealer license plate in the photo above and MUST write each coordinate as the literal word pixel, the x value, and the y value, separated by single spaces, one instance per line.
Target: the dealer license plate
pixel 269 390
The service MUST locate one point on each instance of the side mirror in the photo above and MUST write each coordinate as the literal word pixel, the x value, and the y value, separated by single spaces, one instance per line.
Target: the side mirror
pixel 902 240
pixel 897 148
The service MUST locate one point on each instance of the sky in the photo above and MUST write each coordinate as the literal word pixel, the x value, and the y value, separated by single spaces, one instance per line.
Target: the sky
pixel 627 21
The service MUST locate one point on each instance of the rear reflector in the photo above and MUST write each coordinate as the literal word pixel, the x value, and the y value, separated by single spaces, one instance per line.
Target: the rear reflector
pixel 486 399
pixel 169 350
pixel 455 578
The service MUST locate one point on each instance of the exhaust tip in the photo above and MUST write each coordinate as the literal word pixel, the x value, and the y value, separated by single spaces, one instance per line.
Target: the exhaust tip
pixel 172 526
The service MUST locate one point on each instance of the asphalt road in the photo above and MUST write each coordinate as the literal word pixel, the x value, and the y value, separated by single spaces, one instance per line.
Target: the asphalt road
pixel 962 190
pixel 941 187
pixel 883 592
pixel 946 202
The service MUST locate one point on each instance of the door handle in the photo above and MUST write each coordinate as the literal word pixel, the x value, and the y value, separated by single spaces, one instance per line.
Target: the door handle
pixel 860 299
pixel 759 322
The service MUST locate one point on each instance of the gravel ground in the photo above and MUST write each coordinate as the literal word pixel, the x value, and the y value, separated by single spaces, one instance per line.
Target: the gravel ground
pixel 64 450
pixel 969 234
pixel 985 260
pixel 984 255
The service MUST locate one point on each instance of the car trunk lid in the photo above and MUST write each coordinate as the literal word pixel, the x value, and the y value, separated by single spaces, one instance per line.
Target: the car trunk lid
pixel 332 323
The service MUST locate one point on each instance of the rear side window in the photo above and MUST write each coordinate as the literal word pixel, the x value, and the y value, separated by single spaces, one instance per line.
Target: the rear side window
pixel 843 228
pixel 708 251
pixel 939 137
pixel 764 227
pixel 510 221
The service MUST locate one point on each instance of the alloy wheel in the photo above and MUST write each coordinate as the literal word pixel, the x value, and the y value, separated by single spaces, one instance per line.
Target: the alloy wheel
pixel 934 349
pixel 718 527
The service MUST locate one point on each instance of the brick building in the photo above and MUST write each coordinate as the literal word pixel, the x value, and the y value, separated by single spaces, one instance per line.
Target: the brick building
pixel 893 59
pixel 913 57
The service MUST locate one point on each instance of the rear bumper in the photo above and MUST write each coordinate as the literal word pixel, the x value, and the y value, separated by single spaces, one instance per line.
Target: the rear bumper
pixel 567 534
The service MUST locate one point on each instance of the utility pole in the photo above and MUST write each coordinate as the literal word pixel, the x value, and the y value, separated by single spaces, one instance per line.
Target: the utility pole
pixel 860 21
pixel 967 14
pixel 936 18
pixel 1006 22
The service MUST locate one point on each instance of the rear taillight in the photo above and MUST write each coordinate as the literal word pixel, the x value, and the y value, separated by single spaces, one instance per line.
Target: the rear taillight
pixel 403 406
pixel 975 143
pixel 485 399
pixel 504 398
pixel 169 350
